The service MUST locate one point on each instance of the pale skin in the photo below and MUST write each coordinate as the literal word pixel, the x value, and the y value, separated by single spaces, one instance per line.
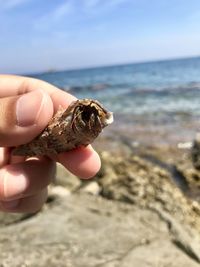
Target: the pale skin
pixel 26 106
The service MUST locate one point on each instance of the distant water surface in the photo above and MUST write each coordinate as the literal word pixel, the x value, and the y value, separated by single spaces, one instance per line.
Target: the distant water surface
pixel 158 93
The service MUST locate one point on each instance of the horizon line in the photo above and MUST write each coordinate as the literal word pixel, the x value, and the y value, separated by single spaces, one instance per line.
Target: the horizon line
pixel 52 70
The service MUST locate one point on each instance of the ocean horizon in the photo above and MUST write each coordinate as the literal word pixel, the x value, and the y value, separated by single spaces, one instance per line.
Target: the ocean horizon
pixel 164 86
pixel 54 70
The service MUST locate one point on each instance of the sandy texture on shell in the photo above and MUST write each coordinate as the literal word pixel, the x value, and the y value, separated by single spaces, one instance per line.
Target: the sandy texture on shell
pixel 78 125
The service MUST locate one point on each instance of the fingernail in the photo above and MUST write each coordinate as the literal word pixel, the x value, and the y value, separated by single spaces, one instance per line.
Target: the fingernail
pixel 14 184
pixel 28 107
pixel 10 205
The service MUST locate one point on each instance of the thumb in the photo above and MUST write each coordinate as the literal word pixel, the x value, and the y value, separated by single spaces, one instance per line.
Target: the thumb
pixel 23 117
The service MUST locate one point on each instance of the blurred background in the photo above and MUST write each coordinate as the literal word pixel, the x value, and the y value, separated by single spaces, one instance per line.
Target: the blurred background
pixel 140 58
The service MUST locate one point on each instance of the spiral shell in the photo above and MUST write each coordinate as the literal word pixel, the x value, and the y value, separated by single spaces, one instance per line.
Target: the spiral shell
pixel 76 126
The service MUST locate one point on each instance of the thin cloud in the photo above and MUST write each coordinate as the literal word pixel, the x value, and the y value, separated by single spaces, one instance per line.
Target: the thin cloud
pixel 54 16
pixel 95 7
pixel 62 10
pixel 69 7
pixel 92 3
pixel 117 2
pixel 104 3
pixel 11 4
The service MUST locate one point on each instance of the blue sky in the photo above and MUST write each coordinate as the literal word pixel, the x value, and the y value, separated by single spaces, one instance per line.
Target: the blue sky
pixel 38 35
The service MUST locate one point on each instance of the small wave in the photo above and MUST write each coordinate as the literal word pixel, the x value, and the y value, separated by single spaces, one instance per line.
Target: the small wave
pixel 194 85
pixel 127 89
pixel 92 87
pixel 173 90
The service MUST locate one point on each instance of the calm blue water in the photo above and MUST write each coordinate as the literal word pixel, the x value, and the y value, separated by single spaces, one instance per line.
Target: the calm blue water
pixel 165 88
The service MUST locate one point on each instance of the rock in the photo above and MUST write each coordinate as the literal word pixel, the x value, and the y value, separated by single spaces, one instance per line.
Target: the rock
pixel 92 188
pixel 192 178
pixel 183 236
pixel 157 253
pixel 66 179
pixel 84 230
pixel 141 217
pixel 184 145
pixel 195 152
pixel 58 191
pixel 136 180
pixel 11 218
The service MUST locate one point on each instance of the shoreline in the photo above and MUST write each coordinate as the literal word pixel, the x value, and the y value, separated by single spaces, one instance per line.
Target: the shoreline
pixel 150 130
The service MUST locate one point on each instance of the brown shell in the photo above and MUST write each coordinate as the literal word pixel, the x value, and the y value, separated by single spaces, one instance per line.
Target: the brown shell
pixel 76 126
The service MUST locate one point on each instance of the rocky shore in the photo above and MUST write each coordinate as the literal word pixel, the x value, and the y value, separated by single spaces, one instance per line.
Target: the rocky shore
pixel 142 209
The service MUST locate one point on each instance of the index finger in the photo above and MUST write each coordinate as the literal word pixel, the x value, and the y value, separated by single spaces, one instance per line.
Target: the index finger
pixel 11 85
pixel 83 162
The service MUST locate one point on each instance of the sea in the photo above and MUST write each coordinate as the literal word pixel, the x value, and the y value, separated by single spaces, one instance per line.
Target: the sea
pixel 159 95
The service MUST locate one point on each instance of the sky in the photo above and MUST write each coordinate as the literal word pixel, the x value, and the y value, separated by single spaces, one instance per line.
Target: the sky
pixel 42 35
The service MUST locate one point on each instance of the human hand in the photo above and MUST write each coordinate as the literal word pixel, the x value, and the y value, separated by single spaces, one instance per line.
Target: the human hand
pixel 26 106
